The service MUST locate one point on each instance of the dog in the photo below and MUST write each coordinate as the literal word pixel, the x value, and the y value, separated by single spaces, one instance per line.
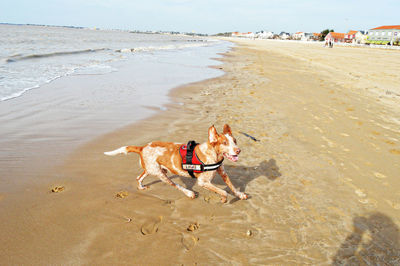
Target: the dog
pixel 159 158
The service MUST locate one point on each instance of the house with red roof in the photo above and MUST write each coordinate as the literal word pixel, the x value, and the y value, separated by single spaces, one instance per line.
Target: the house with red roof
pixel 243 34
pixel 354 36
pixel 335 37
pixel 350 36
pixel 298 35
pixel 384 33
pixel 316 36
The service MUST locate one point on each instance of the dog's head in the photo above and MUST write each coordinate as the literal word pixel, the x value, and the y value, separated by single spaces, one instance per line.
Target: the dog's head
pixel 224 143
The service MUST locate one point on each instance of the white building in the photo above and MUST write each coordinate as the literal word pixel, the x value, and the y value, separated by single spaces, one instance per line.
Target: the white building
pixel 299 35
pixel 384 33
pixel 243 34
pixel 284 35
pixel 265 34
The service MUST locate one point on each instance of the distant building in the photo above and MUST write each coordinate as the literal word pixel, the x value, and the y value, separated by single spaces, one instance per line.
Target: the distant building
pixel 335 37
pixel 304 36
pixel 237 34
pixel 316 36
pixel 384 33
pixel 308 36
pixel 350 36
pixel 299 35
pixel 265 34
pixel 354 36
pixel 243 34
pixel 360 37
pixel 284 35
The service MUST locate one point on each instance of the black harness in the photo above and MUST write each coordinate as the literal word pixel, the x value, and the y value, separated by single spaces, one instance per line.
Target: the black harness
pixel 191 163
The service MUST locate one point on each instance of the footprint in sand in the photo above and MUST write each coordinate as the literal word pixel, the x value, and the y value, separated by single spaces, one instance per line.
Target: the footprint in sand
pixel 395 151
pixel 122 194
pixel 57 189
pixel 370 202
pixel 318 129
pixel 329 142
pixel 193 226
pixel 151 227
pixel 360 193
pixel 390 142
pixel 394 205
pixel 379 175
pixel 189 241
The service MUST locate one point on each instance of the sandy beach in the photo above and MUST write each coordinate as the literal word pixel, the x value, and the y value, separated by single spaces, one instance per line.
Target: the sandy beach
pixel 323 180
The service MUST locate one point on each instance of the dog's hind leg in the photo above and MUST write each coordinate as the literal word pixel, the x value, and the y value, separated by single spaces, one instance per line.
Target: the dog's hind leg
pixel 166 179
pixel 140 178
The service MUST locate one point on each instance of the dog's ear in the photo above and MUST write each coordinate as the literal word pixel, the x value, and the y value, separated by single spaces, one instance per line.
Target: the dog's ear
pixel 212 134
pixel 227 130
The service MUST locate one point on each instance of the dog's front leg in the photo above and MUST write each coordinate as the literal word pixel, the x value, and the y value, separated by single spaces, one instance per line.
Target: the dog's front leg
pixel 225 177
pixel 207 185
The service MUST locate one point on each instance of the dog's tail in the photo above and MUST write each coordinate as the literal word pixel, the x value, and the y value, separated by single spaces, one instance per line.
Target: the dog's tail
pixel 125 150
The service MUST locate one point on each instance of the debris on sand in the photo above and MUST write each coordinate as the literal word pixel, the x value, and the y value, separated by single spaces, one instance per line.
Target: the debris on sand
pixel 193 226
pixel 247 135
pixel 122 194
pixel 57 189
pixel 249 233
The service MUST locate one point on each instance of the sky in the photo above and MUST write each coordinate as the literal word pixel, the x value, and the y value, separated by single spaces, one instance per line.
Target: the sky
pixel 205 16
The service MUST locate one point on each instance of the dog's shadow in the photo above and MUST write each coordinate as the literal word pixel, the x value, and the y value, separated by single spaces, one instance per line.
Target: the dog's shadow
pixel 240 176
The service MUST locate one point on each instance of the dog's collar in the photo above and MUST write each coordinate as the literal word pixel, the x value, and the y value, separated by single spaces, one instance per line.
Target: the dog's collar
pixel 192 163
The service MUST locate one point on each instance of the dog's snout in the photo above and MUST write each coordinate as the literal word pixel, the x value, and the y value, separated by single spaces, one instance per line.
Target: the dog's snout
pixel 237 150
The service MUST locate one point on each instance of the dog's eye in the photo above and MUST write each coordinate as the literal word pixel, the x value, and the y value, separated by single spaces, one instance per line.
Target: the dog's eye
pixel 234 140
pixel 225 142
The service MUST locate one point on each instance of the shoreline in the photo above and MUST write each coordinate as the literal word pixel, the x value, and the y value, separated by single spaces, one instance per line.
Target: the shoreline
pixel 307 198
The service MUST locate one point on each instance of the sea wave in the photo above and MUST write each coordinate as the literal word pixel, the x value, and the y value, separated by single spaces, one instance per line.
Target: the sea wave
pixel 192 43
pixel 17 94
pixel 20 57
pixel 160 48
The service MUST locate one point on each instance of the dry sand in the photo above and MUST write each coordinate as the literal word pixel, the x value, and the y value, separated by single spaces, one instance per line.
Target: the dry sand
pixel 323 180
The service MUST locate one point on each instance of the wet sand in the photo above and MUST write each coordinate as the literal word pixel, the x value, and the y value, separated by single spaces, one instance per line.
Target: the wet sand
pixel 323 179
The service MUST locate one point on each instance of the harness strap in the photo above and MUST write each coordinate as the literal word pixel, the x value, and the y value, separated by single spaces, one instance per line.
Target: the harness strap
pixel 192 164
pixel 189 155
pixel 212 167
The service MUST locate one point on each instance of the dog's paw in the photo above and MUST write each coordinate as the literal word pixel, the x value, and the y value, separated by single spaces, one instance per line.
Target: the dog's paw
pixel 191 194
pixel 242 196
pixel 143 187
pixel 224 199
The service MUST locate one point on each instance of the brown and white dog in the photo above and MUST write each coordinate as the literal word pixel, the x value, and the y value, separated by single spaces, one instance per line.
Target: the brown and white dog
pixel 159 158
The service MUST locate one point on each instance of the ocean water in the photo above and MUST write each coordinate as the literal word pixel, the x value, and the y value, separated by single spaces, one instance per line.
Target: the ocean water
pixel 31 56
